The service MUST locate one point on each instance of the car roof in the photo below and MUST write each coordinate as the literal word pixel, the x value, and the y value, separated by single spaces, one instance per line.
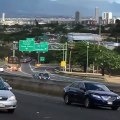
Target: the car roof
pixel 86 81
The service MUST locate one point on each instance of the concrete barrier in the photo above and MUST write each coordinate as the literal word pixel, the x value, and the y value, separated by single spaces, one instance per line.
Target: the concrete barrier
pixel 43 86
pixel 40 86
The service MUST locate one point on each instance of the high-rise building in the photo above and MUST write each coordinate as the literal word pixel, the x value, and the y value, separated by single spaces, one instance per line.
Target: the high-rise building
pixel 3 17
pixel 97 14
pixel 77 16
pixel 107 17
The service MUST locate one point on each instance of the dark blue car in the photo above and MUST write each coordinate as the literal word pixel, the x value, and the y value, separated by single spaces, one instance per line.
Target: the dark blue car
pixel 91 94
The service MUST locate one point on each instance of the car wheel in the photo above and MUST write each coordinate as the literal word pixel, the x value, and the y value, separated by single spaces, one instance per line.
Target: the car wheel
pixel 67 100
pixel 11 110
pixel 87 103
pixel 115 108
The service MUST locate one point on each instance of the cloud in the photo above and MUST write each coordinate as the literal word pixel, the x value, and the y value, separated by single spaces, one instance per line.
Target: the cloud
pixel 111 1
pixel 117 1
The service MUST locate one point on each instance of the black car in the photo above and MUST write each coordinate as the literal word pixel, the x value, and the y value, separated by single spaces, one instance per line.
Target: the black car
pixel 41 75
pixel 46 76
pixel 91 94
pixel 37 75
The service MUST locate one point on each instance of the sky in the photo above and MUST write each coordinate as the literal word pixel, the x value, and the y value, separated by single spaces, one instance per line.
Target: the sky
pixel 58 7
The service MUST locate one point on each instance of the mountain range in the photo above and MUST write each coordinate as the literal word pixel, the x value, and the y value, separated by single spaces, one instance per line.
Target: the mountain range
pixel 25 8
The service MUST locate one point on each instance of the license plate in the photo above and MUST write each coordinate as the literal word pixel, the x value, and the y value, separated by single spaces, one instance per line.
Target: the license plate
pixel 110 103
pixel 2 105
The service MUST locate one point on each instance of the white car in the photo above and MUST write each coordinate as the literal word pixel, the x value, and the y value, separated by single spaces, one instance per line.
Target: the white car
pixel 8 86
pixel 7 98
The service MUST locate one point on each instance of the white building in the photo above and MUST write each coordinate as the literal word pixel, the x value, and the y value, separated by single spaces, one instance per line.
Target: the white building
pixel 3 17
pixel 84 37
pixel 97 14
pixel 107 17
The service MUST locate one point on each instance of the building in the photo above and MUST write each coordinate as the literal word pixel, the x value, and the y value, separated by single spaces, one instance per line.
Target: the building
pixel 3 17
pixel 107 17
pixel 77 16
pixel 84 37
pixel 97 14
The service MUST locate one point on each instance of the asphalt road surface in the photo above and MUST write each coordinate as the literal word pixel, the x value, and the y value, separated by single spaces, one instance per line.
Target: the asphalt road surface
pixel 32 106
pixel 28 69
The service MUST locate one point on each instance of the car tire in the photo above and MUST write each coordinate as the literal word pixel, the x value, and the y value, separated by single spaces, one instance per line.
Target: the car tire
pixel 87 103
pixel 11 110
pixel 114 107
pixel 67 100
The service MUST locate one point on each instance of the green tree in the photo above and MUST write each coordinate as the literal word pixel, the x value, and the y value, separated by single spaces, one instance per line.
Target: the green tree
pixel 101 56
pixel 115 31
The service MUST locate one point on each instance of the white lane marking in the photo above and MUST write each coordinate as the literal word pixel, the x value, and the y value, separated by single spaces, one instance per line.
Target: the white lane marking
pixel 32 69
pixel 25 72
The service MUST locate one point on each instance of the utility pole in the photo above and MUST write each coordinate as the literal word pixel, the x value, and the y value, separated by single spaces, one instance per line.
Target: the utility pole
pixel 14 47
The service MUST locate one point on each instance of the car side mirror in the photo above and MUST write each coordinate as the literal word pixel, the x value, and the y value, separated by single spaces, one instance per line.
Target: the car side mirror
pixel 10 88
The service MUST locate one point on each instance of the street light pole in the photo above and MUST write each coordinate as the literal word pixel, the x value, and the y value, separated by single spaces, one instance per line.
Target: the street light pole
pixel 14 47
pixel 38 57
pixel 87 56
pixel 70 61
pixel 71 46
pixel 66 56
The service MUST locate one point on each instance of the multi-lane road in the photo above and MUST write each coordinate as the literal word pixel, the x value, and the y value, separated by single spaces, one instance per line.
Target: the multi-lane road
pixel 28 69
pixel 32 106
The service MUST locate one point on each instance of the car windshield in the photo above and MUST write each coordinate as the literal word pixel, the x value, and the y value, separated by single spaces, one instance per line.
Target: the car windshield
pixel 96 86
pixel 3 86
pixel 40 74
pixel 46 75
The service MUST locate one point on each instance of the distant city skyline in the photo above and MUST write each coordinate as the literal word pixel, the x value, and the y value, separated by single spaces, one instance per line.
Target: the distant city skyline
pixel 33 8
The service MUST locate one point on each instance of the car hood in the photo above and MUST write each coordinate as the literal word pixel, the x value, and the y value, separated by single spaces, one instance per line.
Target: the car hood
pixel 6 93
pixel 103 93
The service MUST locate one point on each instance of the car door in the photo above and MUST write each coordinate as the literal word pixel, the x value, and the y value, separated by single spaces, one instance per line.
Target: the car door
pixel 80 92
pixel 73 89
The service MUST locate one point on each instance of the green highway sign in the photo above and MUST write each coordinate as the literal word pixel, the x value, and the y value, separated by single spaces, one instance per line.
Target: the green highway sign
pixel 26 45
pixel 37 46
pixel 42 59
pixel 30 45
pixel 42 46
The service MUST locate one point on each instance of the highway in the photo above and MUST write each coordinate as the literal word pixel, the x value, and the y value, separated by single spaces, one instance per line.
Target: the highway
pixel 33 106
pixel 28 69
